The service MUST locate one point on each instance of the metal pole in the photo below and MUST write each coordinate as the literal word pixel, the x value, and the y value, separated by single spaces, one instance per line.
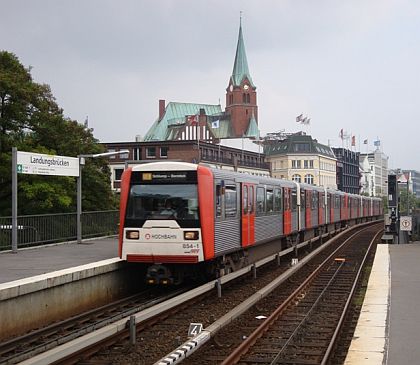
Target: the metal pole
pixel 132 330
pixel 14 200
pixel 408 201
pixel 79 203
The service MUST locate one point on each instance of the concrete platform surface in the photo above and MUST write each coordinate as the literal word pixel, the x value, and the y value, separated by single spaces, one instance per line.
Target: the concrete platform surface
pixel 388 328
pixel 404 322
pixel 40 260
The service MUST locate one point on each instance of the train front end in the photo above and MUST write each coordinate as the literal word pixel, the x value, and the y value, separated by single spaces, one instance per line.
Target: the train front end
pixel 160 220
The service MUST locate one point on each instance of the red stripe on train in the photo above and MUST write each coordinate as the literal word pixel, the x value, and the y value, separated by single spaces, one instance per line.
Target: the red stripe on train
pixel 125 189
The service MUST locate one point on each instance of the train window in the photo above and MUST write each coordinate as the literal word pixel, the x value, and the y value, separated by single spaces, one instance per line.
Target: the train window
pixel 260 201
pixel 277 200
pixel 218 200
pixel 314 200
pixel 286 199
pixel 245 199
pixel 294 200
pixel 269 200
pixel 308 196
pixel 251 199
pixel 321 200
pixel 302 199
pixel 153 202
pixel 230 201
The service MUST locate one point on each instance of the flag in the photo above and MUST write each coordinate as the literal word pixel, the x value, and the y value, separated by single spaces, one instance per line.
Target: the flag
pixel 306 121
pixel 215 124
pixel 299 118
pixel 353 140
pixel 365 141
pixel 192 119
pixel 342 134
pixel 377 143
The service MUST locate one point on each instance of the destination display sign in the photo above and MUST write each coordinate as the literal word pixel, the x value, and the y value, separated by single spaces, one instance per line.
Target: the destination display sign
pixel 164 176
pixel 41 164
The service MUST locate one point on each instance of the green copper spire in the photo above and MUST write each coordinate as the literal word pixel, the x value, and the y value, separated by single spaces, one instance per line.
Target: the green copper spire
pixel 240 67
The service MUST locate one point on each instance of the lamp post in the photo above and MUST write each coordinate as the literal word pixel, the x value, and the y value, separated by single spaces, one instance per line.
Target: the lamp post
pixel 79 186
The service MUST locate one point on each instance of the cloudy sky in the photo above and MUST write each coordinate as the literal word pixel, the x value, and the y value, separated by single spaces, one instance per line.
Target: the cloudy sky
pixel 345 64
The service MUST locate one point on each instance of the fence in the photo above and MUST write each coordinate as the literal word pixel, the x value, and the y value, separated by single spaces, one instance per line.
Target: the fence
pixel 41 229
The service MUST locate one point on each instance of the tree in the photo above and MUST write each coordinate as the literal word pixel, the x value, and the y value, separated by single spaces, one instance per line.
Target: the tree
pixel 407 200
pixel 31 120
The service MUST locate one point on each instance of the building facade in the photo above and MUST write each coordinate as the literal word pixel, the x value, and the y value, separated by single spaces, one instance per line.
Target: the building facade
pixel 207 122
pixel 413 177
pixel 218 156
pixel 300 158
pixel 374 173
pixel 348 171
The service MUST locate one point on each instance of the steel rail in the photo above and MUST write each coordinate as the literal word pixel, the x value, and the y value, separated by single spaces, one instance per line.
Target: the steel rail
pixel 244 347
pixel 334 338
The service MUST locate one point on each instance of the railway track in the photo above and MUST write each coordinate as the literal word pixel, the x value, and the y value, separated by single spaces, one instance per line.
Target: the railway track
pixel 303 327
pixel 21 348
pixel 159 335
pixel 166 333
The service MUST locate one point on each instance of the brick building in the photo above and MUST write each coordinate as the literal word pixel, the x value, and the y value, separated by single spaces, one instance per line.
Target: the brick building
pixel 223 157
pixel 208 122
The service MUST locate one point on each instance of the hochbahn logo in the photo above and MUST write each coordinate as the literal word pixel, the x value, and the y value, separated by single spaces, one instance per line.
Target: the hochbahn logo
pixel 159 236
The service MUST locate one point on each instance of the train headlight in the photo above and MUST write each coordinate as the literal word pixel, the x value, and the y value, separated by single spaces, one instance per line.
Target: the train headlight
pixel 132 235
pixel 191 235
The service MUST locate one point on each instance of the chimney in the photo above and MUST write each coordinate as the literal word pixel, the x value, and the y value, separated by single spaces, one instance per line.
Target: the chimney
pixel 161 108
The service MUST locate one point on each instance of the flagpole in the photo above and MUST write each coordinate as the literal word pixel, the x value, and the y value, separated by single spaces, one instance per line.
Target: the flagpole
pixel 198 137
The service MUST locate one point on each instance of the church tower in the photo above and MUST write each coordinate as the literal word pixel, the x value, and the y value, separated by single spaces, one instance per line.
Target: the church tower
pixel 241 95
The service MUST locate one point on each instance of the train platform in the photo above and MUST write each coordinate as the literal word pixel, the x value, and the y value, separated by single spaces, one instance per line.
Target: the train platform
pixel 36 261
pixel 388 327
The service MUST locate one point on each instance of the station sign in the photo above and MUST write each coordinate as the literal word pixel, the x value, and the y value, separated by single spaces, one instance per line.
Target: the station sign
pixel 405 223
pixel 41 164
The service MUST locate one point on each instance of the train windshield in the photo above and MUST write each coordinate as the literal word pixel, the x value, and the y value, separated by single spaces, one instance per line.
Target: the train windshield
pixel 163 201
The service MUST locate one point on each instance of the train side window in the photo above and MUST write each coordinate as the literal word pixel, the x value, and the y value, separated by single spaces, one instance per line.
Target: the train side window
pixel 218 200
pixel 294 200
pixel 251 199
pixel 314 200
pixel 302 199
pixel 286 200
pixel 260 201
pixel 269 200
pixel 277 200
pixel 309 198
pixel 245 199
pixel 230 201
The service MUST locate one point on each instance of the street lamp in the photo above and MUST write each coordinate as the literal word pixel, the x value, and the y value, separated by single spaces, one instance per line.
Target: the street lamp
pixel 79 186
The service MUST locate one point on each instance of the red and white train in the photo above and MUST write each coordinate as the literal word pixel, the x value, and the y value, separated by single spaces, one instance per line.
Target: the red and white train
pixel 181 219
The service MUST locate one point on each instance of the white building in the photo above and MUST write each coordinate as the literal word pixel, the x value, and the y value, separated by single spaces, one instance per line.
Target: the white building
pixel 374 173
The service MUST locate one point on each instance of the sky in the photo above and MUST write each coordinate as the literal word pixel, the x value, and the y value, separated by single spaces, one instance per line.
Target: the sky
pixel 351 65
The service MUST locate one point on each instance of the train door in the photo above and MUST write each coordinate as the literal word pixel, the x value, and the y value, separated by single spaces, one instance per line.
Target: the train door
pixel 248 215
pixel 308 214
pixel 321 208
pixel 287 214
pixel 302 210
pixel 328 213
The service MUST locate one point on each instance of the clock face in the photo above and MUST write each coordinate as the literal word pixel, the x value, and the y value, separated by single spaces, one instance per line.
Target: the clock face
pixel 246 87
pixel 231 87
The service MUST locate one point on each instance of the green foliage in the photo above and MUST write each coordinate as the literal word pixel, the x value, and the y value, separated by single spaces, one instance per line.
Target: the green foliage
pixel 407 200
pixel 385 203
pixel 31 120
